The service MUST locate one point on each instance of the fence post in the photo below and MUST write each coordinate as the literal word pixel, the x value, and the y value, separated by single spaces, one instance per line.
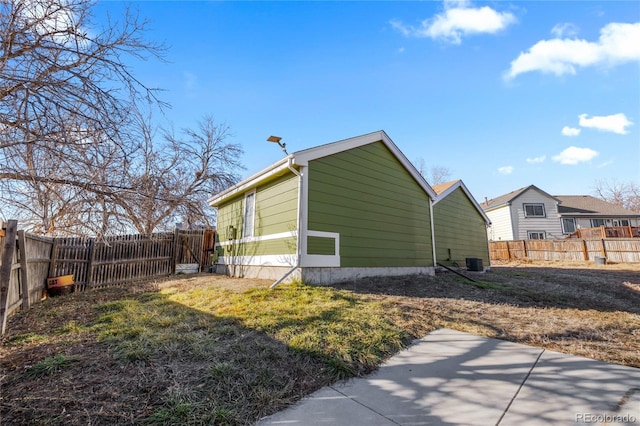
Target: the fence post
pixel 524 248
pixel 92 243
pixel 6 261
pixel 604 249
pixel 174 257
pixel 24 269
pixel 54 258
pixel 585 251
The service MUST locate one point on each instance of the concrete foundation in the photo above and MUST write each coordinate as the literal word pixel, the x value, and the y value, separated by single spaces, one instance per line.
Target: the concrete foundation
pixel 319 276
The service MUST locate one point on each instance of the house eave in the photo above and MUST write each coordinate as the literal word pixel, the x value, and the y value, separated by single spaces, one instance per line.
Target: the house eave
pixel 302 158
pixel 276 169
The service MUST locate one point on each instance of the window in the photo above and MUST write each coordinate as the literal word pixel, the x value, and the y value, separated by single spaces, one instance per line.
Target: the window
pixel 249 212
pixel 597 222
pixel 536 235
pixel 534 210
pixel 568 225
pixel 620 222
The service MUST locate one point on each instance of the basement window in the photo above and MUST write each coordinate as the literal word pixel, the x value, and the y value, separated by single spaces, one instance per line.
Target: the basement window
pixel 534 210
pixel 536 235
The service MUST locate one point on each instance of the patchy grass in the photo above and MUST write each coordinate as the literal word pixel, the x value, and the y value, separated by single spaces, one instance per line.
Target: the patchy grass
pixel 212 350
pixel 50 365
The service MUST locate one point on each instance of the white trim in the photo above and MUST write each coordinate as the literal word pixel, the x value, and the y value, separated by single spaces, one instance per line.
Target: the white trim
pixel 320 261
pixel 259 238
pixel 323 260
pixel 433 233
pixel 287 260
pixel 303 210
pixel 323 234
pixel 302 158
pixel 251 182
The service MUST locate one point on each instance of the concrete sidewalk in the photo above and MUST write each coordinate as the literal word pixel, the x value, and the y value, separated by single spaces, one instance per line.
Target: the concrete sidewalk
pixel 454 378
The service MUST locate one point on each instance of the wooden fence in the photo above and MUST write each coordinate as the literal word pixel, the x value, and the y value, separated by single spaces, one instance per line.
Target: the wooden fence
pixel 619 250
pixel 26 261
pixel 601 232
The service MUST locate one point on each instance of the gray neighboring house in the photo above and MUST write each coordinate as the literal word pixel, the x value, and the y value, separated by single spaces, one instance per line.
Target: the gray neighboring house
pixel 530 213
pixel 585 211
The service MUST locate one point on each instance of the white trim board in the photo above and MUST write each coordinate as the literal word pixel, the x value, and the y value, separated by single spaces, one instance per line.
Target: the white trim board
pixel 280 235
pixel 287 260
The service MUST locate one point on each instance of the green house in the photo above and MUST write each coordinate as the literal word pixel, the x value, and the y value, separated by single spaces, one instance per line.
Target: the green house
pixel 460 226
pixel 347 209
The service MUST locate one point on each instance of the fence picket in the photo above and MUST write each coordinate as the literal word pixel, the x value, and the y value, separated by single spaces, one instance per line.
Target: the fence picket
pixel 621 250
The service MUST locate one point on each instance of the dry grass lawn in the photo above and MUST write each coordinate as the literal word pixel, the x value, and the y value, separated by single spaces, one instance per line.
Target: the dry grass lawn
pixel 207 349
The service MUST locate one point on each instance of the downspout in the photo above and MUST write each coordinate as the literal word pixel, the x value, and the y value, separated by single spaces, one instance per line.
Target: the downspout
pixel 433 234
pixel 299 221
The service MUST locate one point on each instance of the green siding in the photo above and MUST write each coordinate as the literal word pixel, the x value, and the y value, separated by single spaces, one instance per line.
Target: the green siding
pixel 276 211
pixel 277 206
pixel 261 248
pixel 460 230
pixel 321 245
pixel 380 211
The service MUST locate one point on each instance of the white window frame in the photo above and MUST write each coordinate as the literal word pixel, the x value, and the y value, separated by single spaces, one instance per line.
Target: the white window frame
pixel 539 233
pixel 249 225
pixel 573 220
pixel 525 205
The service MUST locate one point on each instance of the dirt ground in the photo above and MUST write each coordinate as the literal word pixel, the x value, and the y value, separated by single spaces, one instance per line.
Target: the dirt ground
pixel 581 309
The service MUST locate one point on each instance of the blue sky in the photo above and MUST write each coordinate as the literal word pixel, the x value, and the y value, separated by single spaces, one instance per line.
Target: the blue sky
pixel 502 94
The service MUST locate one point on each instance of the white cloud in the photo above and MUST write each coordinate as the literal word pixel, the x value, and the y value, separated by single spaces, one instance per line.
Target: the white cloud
pixel 570 131
pixel 505 170
pixel 618 43
pixel 535 160
pixel 52 22
pixel 574 155
pixel 458 20
pixel 605 164
pixel 616 123
pixel 565 29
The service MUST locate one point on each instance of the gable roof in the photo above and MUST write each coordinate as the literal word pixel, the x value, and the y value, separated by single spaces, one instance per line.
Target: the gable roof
pixel 444 189
pixel 509 197
pixel 586 205
pixel 302 158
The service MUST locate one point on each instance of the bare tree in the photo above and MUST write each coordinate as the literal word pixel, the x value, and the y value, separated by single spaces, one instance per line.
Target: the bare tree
pixel 436 174
pixel 65 93
pixel 625 195
pixel 55 64
pixel 74 159
pixel 439 175
pixel 173 179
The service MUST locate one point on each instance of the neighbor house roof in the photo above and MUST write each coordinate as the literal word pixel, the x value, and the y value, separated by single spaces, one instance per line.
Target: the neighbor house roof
pixel 508 198
pixel 444 189
pixel 302 158
pixel 586 205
